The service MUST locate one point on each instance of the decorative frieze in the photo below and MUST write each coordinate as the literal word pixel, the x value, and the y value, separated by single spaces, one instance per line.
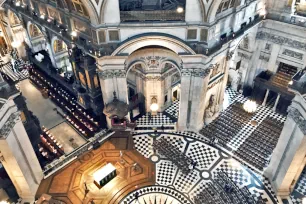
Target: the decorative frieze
pixel 264 57
pixel 114 73
pixel 293 54
pixel 153 62
pixel 196 72
pixel 281 40
pixel 9 124
pixel 215 82
pixel 298 118
pixel 242 55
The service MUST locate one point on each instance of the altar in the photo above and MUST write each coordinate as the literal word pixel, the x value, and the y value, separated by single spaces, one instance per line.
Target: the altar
pixel 104 175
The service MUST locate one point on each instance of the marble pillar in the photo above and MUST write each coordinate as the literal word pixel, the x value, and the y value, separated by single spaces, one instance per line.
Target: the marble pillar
pixel 288 156
pixel 266 97
pixel 22 166
pixel 276 102
pixel 194 84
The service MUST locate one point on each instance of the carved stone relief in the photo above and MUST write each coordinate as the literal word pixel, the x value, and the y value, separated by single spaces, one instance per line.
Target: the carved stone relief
pixel 107 74
pixel 293 54
pixel 196 72
pixel 281 40
pixel 153 62
pixel 264 57
pixel 9 124
pixel 298 118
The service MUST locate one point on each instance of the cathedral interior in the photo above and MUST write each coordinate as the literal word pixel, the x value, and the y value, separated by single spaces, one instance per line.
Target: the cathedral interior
pixel 153 101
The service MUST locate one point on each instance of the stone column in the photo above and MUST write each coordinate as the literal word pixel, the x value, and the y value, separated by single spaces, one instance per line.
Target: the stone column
pixel 22 166
pixel 266 97
pixel 288 156
pixel 276 102
pixel 112 75
pixel 273 57
pixel 193 86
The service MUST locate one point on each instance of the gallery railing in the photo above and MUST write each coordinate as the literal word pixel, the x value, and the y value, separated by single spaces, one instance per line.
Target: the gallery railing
pixel 66 159
pixel 167 15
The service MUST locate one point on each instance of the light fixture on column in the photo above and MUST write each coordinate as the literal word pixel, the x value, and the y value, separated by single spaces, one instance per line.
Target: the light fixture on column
pixel 154 106
pixel 16 44
pixel 74 33
pixel 250 106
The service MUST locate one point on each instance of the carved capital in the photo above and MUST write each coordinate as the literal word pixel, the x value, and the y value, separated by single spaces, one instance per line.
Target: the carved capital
pixel 9 124
pixel 115 73
pixel 298 118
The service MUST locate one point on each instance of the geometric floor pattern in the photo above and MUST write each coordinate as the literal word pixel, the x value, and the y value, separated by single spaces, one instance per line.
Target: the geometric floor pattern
pixel 173 109
pixel 210 161
pixel 300 189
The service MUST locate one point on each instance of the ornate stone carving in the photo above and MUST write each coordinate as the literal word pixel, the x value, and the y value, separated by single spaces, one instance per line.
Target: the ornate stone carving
pixel 281 40
pixel 229 55
pixel 242 55
pixel 152 62
pixel 298 118
pixel 9 124
pixel 107 74
pixel 212 108
pixel 215 82
pixel 293 54
pixel 264 57
pixel 196 72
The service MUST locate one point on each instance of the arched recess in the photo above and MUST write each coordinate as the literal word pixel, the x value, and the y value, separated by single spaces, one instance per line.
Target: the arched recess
pixel 34 31
pixel 92 12
pixel 13 18
pixel 61 57
pixel 153 74
pixel 166 41
pixel 212 12
pixel 193 9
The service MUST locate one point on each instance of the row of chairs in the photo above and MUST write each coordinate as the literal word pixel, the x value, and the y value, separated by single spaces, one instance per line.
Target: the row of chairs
pixel 227 125
pixel 259 146
pixel 224 191
pixel 173 154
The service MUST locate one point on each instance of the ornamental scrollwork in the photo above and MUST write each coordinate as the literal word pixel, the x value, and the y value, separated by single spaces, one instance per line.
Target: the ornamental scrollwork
pixel 196 72
pixel 298 118
pixel 9 124
pixel 281 40
pixel 293 54
pixel 108 74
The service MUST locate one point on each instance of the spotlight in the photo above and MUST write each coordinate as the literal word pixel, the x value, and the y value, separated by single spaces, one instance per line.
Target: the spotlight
pixel 74 33
pixel 304 200
pixel 180 9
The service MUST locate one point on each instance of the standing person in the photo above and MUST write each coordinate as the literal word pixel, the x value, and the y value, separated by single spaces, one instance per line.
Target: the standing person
pixel 163 128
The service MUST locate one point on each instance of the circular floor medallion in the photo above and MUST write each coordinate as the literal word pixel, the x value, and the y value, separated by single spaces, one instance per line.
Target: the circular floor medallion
pixel 205 175
pixel 154 158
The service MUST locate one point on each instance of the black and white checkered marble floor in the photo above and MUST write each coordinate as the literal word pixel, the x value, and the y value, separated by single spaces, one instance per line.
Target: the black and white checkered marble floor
pixel 173 109
pixel 300 189
pixel 155 120
pixel 261 113
pixel 210 161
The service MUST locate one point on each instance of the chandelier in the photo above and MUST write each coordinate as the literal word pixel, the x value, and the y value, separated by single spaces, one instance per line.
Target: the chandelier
pixel 250 106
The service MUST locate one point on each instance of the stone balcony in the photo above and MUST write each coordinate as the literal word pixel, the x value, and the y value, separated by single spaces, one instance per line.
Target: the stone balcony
pixel 101 50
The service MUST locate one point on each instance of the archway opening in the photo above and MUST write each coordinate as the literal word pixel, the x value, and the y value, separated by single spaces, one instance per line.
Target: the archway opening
pixel 154 83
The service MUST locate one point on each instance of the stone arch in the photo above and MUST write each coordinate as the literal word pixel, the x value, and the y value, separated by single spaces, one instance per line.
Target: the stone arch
pixel 92 12
pixel 170 42
pixel 169 57
pixel 29 27
pixel 212 11
pixel 53 41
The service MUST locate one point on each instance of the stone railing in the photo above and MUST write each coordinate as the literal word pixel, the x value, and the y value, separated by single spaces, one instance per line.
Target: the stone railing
pixel 66 159
pixel 167 15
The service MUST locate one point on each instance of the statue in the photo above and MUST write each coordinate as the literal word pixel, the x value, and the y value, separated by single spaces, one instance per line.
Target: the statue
pixel 212 108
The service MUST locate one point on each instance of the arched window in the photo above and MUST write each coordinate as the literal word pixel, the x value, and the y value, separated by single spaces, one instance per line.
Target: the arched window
pixel 225 4
pixel 14 20
pixel 79 8
pixel 34 31
pixel 59 46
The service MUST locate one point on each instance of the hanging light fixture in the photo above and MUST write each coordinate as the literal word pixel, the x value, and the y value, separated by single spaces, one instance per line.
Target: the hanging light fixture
pixel 4 202
pixel 180 9
pixel 250 106
pixel 154 106
pixel 304 200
